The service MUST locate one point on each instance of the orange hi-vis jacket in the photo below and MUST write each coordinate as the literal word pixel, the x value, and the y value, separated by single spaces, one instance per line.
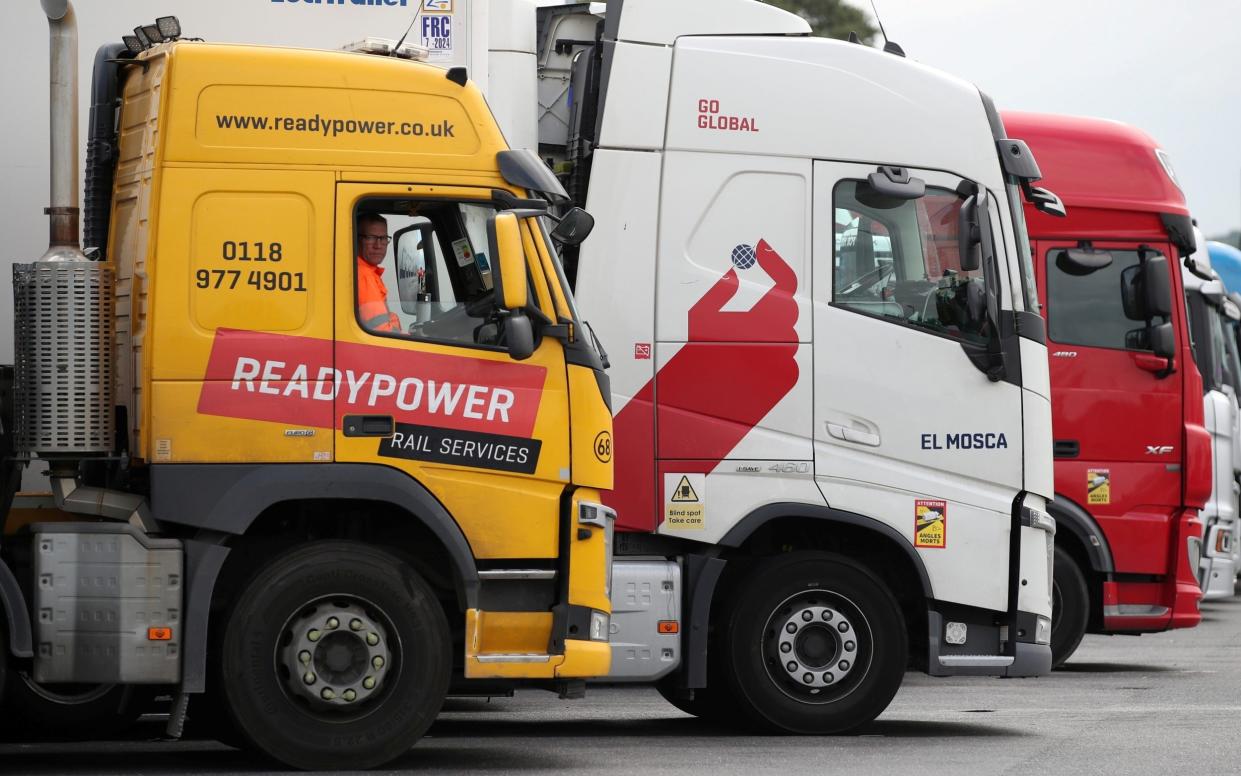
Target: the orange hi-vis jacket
pixel 373 299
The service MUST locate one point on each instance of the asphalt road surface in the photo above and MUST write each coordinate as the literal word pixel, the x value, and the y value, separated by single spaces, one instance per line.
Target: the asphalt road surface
pixel 1162 704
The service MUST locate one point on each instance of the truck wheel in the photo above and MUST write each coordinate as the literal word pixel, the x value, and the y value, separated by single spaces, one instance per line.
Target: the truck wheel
pixel 816 645
pixel 336 656
pixel 1070 607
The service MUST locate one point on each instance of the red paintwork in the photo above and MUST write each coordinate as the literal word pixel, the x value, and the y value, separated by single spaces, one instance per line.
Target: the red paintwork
pixel 735 368
pixel 299 382
pixel 1111 401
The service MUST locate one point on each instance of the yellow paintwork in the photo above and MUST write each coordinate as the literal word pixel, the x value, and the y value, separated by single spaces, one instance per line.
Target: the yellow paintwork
pixel 585 555
pixel 592 430
pixel 191 182
pixel 489 633
pixel 512 260
pixel 30 508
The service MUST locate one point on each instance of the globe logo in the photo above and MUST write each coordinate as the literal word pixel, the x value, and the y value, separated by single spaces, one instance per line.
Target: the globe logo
pixel 743 256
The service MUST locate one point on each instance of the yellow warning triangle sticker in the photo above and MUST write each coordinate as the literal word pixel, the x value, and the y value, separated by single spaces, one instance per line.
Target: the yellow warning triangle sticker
pixel 684 491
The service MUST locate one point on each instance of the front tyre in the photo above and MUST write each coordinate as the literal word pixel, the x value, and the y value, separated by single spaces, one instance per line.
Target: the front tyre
pixel 816 645
pixel 1070 607
pixel 336 656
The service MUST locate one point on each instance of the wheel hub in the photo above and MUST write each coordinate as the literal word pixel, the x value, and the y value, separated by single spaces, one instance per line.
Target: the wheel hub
pixel 817 646
pixel 337 655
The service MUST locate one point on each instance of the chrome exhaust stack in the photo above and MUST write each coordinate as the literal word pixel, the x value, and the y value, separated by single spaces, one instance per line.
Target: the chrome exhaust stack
pixel 63 302
pixel 64 239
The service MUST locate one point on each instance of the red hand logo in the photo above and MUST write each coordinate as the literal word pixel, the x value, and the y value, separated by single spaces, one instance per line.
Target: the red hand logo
pixel 735 369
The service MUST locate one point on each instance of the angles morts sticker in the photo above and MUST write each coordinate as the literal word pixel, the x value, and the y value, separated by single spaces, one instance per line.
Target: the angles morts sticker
pixel 447 409
pixel 930 523
pixel 1098 486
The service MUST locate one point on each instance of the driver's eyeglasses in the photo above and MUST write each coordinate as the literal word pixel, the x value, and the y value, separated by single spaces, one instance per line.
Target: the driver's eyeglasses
pixel 377 239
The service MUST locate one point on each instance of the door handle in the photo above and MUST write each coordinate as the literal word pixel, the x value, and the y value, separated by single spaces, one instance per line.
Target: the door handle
pixel 1149 362
pixel 855 435
pixel 368 425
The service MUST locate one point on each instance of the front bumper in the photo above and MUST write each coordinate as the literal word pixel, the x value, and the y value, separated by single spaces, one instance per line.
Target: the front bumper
pixel 957 647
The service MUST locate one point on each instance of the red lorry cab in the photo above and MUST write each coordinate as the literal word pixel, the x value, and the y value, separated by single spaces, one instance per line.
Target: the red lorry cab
pixel 1132 458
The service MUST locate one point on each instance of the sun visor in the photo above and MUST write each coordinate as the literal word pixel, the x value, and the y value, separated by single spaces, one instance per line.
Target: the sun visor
pixel 524 168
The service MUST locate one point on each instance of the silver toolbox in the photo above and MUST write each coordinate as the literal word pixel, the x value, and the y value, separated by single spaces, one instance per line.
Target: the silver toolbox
pixel 107 604
pixel 644 594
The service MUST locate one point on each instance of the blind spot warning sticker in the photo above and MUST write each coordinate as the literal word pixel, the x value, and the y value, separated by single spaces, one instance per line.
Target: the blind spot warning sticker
pixel 685 501
pixel 930 523
pixel 1098 486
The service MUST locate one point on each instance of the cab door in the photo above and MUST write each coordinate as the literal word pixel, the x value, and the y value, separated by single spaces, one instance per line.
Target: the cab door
pixel 907 429
pixel 1117 409
pixel 438 395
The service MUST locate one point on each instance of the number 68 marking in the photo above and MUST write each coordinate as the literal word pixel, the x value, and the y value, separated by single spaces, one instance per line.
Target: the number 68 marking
pixel 603 447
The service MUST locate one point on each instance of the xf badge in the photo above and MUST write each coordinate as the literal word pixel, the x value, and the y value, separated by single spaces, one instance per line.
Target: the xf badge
pixel 1158 449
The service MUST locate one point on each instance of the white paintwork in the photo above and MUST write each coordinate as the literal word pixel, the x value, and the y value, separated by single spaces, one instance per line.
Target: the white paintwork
pixel 512 58
pixel 633 115
pixel 852 103
pixel 1036 425
pixel 1218 569
pixel 616 268
pixel 723 188
pixel 663 21
pixel 731 495
pixel 710 203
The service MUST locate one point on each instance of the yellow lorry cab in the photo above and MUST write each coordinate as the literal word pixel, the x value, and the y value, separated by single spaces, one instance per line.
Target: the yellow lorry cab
pixel 345 515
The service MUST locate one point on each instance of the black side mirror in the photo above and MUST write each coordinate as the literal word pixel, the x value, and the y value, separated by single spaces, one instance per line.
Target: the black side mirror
pixel 574 227
pixel 1133 294
pixel 1082 261
pixel 1046 201
pixel 1163 340
pixel 1158 285
pixel 519 336
pixel 973 231
pixel 897 183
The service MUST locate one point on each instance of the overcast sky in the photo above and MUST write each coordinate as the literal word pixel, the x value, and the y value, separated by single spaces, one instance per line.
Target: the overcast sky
pixel 1171 68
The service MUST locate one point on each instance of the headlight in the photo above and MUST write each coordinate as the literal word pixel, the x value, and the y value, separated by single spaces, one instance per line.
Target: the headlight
pixel 599 625
pixel 599 516
pixel 1042 630
pixel 1037 518
pixel 1195 552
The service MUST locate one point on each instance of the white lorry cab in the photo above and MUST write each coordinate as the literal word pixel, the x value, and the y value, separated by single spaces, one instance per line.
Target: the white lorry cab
pixel 828 370
pixel 1212 319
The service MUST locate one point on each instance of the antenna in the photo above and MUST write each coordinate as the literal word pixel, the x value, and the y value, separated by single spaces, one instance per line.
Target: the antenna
pixel 888 46
pixel 414 21
pixel 879 22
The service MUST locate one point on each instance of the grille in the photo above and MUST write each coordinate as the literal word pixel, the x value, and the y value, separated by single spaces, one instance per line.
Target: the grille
pixel 62 342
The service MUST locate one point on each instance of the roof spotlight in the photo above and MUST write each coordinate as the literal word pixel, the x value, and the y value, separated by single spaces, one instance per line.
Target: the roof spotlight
pixel 142 37
pixel 169 27
pixel 132 44
pixel 152 33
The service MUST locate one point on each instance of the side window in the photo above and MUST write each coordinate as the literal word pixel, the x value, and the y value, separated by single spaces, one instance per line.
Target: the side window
pixel 1086 307
pixel 898 259
pixel 1232 362
pixel 422 271
pixel 1222 374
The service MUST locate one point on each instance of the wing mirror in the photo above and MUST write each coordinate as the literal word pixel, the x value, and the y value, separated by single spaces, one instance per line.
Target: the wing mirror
pixel 897 183
pixel 973 231
pixel 1163 340
pixel 1082 261
pixel 511 286
pixel 1045 201
pixel 574 227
